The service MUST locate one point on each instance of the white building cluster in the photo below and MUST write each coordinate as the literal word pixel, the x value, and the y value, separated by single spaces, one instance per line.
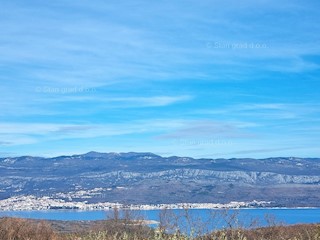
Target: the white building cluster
pixel 19 203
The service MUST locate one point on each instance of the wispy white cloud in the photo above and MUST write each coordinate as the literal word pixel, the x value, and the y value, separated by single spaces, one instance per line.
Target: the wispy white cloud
pixel 210 129
pixel 264 150
pixel 48 45
pixel 44 99
pixel 267 111
pixel 161 129
pixel 156 101
pixel 152 101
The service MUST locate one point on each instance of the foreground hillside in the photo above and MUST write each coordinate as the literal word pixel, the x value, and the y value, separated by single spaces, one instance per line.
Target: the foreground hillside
pixel 23 229
pixel 139 178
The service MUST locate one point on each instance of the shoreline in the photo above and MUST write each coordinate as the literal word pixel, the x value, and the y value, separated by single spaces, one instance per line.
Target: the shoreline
pixel 33 203
pixel 156 209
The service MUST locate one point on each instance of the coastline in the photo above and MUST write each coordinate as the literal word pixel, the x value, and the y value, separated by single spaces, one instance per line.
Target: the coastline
pixel 32 203
pixel 45 203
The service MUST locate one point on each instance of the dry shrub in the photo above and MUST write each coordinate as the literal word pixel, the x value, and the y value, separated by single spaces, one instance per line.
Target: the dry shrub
pixel 128 227
pixel 122 224
pixel 24 229
pixel 295 232
pixel 302 231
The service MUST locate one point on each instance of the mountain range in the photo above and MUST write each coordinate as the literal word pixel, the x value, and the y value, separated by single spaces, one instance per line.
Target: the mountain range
pixel 147 178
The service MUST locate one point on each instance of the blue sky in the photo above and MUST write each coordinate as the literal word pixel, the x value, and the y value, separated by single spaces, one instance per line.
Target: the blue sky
pixel 189 78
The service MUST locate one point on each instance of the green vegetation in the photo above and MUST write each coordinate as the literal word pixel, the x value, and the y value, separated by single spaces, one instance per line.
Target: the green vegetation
pixel 130 227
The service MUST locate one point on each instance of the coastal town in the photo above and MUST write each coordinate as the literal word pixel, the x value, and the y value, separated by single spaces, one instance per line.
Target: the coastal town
pixel 30 202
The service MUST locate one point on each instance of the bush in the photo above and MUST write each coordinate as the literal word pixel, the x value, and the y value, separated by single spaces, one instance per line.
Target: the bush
pixel 130 227
pixel 23 229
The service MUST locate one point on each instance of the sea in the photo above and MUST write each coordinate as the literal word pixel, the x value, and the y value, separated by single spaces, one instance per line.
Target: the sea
pixel 211 218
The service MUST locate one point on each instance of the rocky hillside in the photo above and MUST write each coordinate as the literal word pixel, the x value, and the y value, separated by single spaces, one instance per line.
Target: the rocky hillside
pixel 144 178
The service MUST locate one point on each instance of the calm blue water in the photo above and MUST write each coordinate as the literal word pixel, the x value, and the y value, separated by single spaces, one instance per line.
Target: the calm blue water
pixel 245 216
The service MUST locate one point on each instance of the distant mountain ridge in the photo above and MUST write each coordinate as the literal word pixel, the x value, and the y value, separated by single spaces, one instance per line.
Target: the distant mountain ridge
pixel 147 178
